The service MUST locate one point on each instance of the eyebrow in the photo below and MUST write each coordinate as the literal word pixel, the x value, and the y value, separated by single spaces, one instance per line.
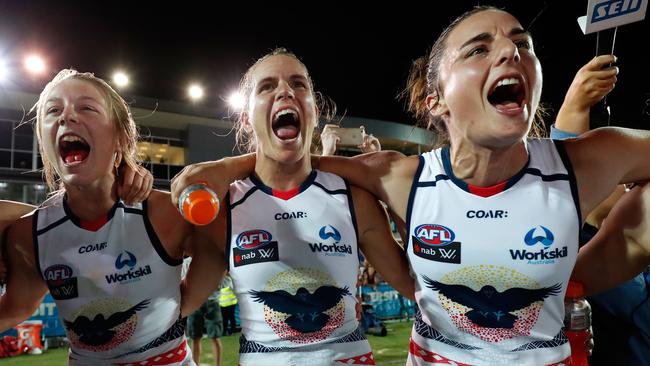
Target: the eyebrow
pixel 485 36
pixel 85 97
pixel 292 77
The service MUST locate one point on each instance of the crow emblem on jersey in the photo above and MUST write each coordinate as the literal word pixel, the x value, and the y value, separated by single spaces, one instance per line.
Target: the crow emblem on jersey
pixel 101 330
pixel 489 307
pixel 306 310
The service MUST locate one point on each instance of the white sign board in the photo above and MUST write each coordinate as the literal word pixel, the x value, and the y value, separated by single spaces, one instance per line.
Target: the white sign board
pixel 604 14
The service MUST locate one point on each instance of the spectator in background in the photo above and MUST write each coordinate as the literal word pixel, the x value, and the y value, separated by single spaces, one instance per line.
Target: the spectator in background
pixel 206 320
pixel 227 302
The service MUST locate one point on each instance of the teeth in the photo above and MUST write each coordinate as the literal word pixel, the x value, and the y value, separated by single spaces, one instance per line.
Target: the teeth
pixel 509 81
pixel 72 138
pixel 285 111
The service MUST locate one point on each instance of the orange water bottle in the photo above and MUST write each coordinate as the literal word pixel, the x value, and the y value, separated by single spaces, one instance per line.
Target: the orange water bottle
pixel 577 321
pixel 198 204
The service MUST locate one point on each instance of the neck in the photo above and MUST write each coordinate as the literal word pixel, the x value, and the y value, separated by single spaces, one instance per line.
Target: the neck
pixel 483 167
pixel 90 202
pixel 280 175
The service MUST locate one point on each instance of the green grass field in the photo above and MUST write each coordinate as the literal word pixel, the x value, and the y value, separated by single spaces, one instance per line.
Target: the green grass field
pixel 389 350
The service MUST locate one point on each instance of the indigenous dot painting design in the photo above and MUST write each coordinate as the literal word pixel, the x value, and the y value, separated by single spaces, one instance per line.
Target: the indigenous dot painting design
pixel 502 278
pixel 290 281
pixel 95 312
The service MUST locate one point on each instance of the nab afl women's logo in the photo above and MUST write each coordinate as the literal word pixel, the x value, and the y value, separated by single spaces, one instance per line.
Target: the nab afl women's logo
pixel 252 239
pixel 436 242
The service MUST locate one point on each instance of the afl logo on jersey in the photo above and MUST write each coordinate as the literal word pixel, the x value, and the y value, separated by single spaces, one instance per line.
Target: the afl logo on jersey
pixel 253 239
pixel 436 242
pixel 432 234
pixel 58 273
pixel 62 284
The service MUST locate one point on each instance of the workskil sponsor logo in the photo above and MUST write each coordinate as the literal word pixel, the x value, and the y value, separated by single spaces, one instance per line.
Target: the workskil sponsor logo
pixel 127 260
pixel 331 243
pixel 255 246
pixel 536 237
pixel 61 282
pixel 436 242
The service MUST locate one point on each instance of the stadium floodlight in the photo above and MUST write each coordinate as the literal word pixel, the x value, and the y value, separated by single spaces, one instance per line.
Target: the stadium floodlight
pixel 236 101
pixel 120 79
pixel 195 92
pixel 35 64
pixel 4 72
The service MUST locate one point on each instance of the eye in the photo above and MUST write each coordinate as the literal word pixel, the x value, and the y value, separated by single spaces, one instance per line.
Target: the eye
pixel 52 110
pixel 264 87
pixel 89 108
pixel 300 84
pixel 477 51
pixel 523 43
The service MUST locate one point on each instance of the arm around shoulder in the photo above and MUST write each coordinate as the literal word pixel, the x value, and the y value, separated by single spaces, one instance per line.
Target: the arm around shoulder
pixel 216 174
pixel 378 244
pixel 25 286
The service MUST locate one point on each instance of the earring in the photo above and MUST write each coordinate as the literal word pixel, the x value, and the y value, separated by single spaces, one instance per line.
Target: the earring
pixel 118 159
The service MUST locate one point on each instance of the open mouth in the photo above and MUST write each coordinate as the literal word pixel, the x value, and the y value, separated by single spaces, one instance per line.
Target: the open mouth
pixel 73 149
pixel 286 124
pixel 508 94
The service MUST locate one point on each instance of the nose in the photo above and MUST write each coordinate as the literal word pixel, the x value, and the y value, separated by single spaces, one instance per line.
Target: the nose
pixel 507 52
pixel 284 91
pixel 68 115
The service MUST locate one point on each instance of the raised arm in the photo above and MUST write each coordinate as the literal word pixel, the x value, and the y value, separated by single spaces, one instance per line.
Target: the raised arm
pixel 25 287
pixel 621 249
pixel 605 157
pixel 378 245
pixel 217 174
pixel 590 85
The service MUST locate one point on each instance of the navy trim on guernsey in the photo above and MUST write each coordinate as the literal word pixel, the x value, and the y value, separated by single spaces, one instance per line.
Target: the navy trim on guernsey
pixel 338 191
pixel 352 212
pixel 229 208
pixel 439 177
pixel 251 191
pixel 268 190
pixel 50 226
pixel 446 162
pixel 35 234
pixel 155 241
pixel 75 220
pixel 559 145
pixel 409 205
pixel 547 178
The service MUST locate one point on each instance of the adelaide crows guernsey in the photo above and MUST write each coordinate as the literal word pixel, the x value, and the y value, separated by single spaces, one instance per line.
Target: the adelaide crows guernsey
pixel 293 258
pixel 492 271
pixel 116 289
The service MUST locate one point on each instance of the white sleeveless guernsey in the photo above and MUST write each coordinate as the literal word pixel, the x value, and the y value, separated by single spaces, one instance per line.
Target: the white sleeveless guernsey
pixel 116 289
pixel 293 258
pixel 492 271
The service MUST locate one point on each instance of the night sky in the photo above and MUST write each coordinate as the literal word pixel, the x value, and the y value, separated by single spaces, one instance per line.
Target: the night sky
pixel 359 56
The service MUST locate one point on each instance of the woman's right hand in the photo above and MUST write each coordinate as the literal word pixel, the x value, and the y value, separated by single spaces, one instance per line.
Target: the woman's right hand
pixel 216 174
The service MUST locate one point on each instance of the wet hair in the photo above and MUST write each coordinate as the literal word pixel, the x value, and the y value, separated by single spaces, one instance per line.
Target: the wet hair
pixel 325 105
pixel 120 113
pixel 424 79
